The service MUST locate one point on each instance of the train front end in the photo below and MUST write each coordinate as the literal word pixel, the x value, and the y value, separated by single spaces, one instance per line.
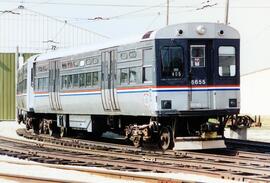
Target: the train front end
pixel 197 78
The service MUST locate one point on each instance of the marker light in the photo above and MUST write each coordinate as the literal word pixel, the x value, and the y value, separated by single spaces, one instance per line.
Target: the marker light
pixel 201 30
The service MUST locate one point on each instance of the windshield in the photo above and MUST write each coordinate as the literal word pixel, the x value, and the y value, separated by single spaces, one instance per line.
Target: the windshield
pixel 172 62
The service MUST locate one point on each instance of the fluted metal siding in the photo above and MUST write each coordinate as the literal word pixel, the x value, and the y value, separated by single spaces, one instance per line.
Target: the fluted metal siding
pixel 7 86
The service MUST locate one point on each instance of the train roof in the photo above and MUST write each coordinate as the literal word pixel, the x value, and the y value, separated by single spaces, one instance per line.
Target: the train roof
pixel 199 30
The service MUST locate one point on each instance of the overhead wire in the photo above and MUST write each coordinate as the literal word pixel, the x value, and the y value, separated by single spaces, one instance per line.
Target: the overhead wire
pixel 88 4
pixel 153 21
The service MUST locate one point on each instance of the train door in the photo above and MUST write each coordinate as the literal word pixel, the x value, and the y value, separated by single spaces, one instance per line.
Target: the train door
pixel 54 85
pixel 108 81
pixel 199 74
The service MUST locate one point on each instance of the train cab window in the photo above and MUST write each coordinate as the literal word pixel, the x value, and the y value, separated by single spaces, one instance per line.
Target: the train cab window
pixel 95 78
pixel 172 62
pixel 124 76
pixel 226 66
pixel 197 55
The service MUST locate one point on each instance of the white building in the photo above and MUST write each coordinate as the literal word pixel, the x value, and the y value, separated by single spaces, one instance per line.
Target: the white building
pixel 255 95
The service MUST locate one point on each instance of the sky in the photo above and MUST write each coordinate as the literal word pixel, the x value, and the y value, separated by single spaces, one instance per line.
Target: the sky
pixel 121 18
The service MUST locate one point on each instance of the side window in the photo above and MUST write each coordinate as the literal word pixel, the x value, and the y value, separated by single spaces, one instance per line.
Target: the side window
pixel 147 74
pixel 95 78
pixel 75 80
pixel 69 81
pixel 133 77
pixel 147 65
pixel 197 55
pixel 172 64
pixel 124 76
pixel 64 81
pixel 46 81
pixel 36 84
pixel 88 79
pixel 81 80
pixel 24 85
pixel 40 83
pixel 226 65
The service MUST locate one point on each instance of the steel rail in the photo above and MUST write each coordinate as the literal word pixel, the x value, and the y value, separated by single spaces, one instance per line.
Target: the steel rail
pixel 85 144
pixel 30 178
pixel 121 175
pixel 257 146
pixel 160 164
pixel 243 158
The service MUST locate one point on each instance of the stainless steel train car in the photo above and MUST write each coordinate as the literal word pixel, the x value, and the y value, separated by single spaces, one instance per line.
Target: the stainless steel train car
pixel 175 87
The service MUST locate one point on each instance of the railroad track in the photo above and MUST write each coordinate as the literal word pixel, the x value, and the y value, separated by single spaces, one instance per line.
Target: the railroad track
pixel 92 171
pixel 240 166
pixel 249 145
pixel 28 178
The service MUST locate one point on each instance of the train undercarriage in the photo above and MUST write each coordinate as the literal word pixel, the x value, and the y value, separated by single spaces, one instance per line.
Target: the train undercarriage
pixel 166 132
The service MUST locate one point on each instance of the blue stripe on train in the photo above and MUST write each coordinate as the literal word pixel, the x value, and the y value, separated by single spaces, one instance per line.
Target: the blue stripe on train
pixel 158 91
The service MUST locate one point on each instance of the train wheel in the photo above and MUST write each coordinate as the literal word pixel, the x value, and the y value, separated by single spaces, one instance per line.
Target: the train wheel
pixel 165 139
pixel 137 142
pixel 63 132
pixel 35 124
pixel 28 127
pixel 41 127
pixel 51 128
pixel 28 123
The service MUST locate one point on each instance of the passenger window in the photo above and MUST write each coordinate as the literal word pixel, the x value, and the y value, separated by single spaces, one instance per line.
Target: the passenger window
pixel 147 74
pixel 88 79
pixel 124 76
pixel 24 85
pixel 64 81
pixel 226 66
pixel 95 78
pixel 133 75
pixel 148 57
pixel 69 81
pixel 172 64
pixel 40 83
pixel 197 55
pixel 36 84
pixel 46 83
pixel 147 65
pixel 75 80
pixel 81 80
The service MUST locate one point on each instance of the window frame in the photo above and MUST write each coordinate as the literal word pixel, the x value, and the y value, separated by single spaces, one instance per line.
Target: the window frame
pixel 169 56
pixel 190 58
pixel 146 66
pixel 127 79
pixel 235 61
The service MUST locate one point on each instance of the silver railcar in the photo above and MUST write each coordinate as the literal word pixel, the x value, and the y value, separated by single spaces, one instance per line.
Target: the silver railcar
pixel 175 86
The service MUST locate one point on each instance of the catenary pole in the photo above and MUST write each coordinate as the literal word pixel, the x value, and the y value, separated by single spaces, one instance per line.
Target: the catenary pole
pixel 226 12
pixel 167 17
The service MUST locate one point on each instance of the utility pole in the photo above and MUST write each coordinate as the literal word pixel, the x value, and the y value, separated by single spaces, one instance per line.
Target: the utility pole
pixel 226 12
pixel 167 17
